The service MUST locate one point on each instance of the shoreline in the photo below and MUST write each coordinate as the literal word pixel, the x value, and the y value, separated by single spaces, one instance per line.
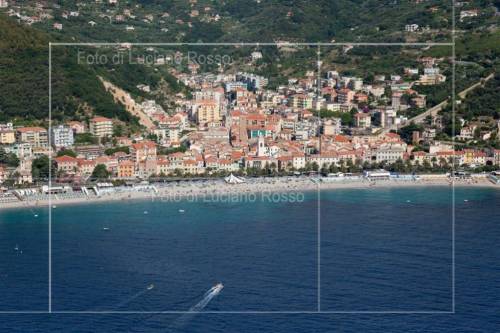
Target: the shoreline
pixel 217 188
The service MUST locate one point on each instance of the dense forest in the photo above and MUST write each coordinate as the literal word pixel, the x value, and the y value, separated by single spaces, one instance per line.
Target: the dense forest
pixel 76 89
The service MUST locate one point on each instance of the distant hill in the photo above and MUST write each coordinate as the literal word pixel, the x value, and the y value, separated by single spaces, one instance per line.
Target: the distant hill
pixel 76 90
pixel 252 20
pixel 24 77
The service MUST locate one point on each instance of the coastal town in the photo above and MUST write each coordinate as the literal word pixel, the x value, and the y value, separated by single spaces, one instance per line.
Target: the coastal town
pixel 233 123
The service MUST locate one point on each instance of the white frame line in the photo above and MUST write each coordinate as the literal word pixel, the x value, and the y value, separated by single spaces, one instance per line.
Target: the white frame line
pixel 50 179
pixel 318 272
pixel 251 44
pixel 453 116
pixel 228 312
pixel 318 311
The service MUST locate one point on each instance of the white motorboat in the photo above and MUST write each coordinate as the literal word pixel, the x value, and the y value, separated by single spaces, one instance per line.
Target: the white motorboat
pixel 218 287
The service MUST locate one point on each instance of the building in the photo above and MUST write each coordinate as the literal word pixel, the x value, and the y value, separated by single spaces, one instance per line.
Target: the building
pixel 67 164
pixel 390 153
pixel 345 96
pixel 468 13
pixel 396 100
pixel 419 101
pixel 89 151
pixel 254 82
pixel 332 126
pixel 3 174
pixel 496 157
pixel 7 136
pixel 411 27
pixel 101 127
pixel 143 151
pixel 62 136
pixel 126 169
pixel 86 167
pixel 35 136
pixel 208 111
pixel 377 175
pixel 77 127
pixel 256 55
pixel 363 120
pixel 301 101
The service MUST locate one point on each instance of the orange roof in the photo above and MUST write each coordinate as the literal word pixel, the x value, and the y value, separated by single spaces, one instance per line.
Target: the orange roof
pixel 392 135
pixel 100 119
pixel 361 115
pixel 66 159
pixel 31 129
pixel 126 163
pixel 340 138
pixel 144 144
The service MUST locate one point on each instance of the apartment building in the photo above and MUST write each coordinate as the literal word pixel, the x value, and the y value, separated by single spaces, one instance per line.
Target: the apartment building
pixel 35 136
pixel 101 127
pixel 62 136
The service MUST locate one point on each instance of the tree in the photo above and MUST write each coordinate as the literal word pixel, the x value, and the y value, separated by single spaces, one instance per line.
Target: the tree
pixel 85 138
pixel 66 152
pixel 100 172
pixel 40 168
pixel 111 151
pixel 9 159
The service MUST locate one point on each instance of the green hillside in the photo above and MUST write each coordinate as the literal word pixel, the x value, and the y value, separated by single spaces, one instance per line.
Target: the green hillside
pixel 76 90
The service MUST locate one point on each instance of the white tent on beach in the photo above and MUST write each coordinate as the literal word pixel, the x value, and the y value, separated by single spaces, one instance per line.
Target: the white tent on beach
pixel 232 179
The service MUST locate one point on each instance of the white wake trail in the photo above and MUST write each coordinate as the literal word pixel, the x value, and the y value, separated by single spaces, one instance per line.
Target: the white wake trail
pixel 209 295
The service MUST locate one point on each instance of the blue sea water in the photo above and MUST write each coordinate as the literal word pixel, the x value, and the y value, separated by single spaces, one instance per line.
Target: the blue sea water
pixel 386 252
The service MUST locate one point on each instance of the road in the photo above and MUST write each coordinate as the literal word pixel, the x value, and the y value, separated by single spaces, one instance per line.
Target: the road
pixel 433 111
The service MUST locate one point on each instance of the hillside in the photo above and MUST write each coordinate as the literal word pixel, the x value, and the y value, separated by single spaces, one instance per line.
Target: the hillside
pixel 251 21
pixel 76 89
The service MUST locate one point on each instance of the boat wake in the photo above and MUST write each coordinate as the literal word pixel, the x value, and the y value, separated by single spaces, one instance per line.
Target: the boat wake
pixel 198 307
pixel 209 295
pixel 133 297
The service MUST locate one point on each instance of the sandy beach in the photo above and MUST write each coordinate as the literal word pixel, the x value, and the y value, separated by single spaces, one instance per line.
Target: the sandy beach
pixel 217 188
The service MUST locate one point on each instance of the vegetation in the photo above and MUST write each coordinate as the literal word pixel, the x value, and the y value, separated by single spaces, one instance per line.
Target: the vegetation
pixel 111 151
pixel 167 151
pixel 100 173
pixel 8 159
pixel 347 118
pixel 483 101
pixel 66 152
pixel 85 138
pixel 40 168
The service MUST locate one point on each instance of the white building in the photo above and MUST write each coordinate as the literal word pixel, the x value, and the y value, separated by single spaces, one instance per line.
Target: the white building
pixel 62 136
pixel 256 55
pixel 390 153
pixel 411 27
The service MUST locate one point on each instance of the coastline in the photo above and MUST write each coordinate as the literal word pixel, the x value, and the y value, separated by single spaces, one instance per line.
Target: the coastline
pixel 177 192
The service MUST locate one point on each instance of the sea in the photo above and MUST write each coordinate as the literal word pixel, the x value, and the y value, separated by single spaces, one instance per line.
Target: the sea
pixel 405 259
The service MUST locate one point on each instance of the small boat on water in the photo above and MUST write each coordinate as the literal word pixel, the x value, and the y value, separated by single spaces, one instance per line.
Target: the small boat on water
pixel 181 210
pixel 218 287
pixel 151 286
pixel 16 248
pixel 105 228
